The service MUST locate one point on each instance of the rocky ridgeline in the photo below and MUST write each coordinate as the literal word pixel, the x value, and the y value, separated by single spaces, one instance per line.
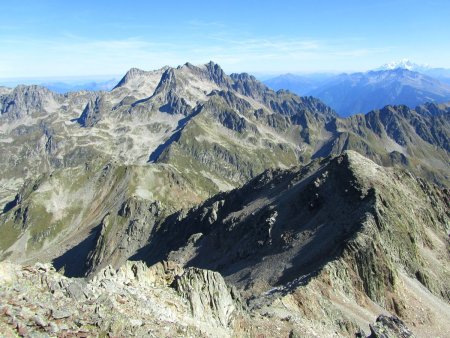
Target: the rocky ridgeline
pixel 136 300
pixel 163 300
pixel 25 100
pixel 389 327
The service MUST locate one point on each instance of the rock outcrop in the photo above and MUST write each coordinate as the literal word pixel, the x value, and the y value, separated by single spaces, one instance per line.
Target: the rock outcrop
pixel 122 234
pixel 389 327
pixel 133 300
pixel 93 112
pixel 27 100
pixel 209 297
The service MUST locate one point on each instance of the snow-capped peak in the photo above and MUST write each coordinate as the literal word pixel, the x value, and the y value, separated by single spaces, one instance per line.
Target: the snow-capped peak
pixel 403 64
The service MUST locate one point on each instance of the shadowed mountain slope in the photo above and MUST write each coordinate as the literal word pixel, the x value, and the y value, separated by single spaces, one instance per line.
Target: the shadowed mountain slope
pixel 365 230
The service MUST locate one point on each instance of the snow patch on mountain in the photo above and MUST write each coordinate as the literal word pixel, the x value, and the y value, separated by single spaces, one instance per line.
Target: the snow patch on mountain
pixel 403 64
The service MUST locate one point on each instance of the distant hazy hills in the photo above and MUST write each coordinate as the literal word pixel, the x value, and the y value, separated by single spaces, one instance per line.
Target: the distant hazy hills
pixel 299 84
pixel 395 83
pixel 63 87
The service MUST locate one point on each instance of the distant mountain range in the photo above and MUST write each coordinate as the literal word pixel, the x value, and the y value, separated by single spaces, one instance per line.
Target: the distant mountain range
pixel 442 74
pixel 299 84
pixel 361 92
pixel 63 87
pixel 401 82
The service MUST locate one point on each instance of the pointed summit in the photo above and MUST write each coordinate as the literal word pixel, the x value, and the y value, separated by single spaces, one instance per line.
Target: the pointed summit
pixel 139 83
pixel 217 74
pixel 94 111
pixel 131 74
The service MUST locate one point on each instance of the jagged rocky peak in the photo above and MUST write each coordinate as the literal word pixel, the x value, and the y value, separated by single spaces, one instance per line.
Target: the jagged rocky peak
pixel 182 88
pixel 199 80
pixel 181 76
pixel 94 111
pixel 274 227
pixel 217 74
pixel 167 82
pixel 433 109
pixel 132 74
pixel 24 100
pixel 210 72
pixel 138 83
pixel 248 85
pixel 169 94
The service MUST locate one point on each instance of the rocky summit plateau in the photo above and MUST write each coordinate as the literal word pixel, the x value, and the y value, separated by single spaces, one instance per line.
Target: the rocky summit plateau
pixel 186 202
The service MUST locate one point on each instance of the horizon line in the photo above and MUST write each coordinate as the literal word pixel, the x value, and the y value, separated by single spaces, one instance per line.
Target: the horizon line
pixel 111 76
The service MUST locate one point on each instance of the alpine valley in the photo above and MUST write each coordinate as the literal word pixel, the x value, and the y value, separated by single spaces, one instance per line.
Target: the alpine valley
pixel 186 202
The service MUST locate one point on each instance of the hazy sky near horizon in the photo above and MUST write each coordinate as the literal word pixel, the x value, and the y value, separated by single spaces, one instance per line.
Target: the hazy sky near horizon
pixel 91 38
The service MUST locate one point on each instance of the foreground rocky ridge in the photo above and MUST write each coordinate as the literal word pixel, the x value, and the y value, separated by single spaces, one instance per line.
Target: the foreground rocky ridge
pixel 163 300
pixel 134 300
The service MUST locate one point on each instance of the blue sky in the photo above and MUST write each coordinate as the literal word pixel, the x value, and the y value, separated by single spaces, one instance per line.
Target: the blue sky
pixel 93 38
